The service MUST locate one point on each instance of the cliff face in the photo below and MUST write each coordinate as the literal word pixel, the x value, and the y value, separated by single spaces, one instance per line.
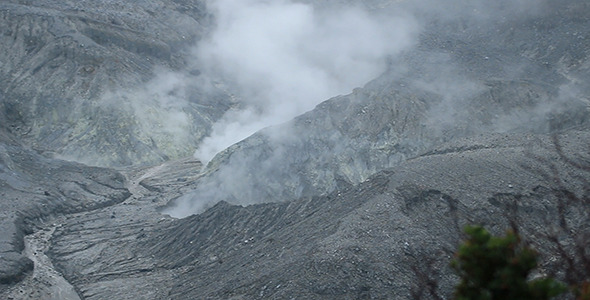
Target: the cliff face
pixel 484 120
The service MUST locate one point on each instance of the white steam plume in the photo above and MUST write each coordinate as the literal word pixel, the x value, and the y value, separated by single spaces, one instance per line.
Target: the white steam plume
pixel 282 58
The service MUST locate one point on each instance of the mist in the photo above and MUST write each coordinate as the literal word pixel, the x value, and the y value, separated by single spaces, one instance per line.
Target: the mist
pixel 459 71
pixel 281 58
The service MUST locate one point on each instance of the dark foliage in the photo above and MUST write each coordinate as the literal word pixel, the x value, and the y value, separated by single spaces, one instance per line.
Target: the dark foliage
pixel 498 267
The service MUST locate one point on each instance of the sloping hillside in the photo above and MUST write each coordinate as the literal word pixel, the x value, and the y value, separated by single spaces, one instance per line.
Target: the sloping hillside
pixel 480 116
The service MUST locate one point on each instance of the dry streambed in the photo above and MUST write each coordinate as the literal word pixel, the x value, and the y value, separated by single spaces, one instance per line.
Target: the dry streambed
pixel 46 282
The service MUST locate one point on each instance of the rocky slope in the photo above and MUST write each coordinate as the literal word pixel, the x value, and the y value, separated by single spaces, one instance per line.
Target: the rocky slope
pixel 73 74
pixel 34 188
pixel 357 242
pixel 519 73
pixel 485 121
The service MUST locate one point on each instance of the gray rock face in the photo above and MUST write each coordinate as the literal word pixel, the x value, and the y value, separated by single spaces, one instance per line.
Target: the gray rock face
pixel 73 74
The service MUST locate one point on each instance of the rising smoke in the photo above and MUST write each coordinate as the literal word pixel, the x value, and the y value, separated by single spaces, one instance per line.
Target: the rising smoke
pixel 462 79
pixel 281 58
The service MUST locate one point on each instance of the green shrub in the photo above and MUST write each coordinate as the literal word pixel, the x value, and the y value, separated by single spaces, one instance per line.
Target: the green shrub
pixel 498 268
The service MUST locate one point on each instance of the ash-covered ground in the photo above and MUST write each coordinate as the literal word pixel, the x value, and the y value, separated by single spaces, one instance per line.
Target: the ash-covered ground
pixel 285 149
